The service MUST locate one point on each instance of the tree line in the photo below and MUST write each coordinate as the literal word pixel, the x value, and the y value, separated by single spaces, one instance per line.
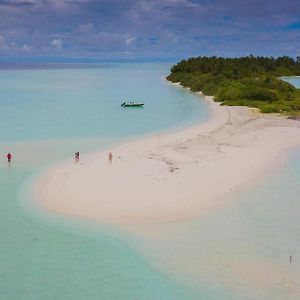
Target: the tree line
pixel 245 81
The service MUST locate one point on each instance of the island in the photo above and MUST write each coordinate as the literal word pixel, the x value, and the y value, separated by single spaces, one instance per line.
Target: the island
pixel 246 81
pixel 179 197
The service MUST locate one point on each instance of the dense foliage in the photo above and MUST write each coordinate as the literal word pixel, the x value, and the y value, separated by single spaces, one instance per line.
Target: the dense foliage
pixel 247 81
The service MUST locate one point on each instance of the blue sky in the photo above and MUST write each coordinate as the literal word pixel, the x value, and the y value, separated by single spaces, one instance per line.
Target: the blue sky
pixel 146 29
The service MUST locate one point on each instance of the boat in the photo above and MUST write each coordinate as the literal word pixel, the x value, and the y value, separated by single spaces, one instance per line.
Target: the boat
pixel 132 104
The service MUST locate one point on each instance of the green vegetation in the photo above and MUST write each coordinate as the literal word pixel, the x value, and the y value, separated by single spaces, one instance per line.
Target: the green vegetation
pixel 246 81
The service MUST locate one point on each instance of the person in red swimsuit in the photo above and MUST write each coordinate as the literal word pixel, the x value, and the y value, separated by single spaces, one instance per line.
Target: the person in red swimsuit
pixel 9 156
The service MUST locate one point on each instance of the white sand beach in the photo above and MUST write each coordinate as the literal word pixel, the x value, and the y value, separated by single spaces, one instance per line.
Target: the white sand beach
pixel 172 176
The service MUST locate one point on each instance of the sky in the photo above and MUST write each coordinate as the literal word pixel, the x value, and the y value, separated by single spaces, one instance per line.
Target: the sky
pixel 108 30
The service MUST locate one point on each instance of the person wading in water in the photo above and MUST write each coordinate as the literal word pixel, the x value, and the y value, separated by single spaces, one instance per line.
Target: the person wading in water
pixel 9 156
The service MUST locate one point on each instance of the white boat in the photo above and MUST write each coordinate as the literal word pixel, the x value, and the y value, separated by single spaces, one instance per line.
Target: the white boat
pixel 132 104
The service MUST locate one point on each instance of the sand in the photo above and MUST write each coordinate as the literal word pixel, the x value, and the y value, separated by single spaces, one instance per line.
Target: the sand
pixel 173 176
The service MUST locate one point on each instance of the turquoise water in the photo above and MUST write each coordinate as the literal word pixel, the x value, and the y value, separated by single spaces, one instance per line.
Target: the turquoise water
pixel 242 250
pixel 293 80
pixel 85 103
pixel 48 114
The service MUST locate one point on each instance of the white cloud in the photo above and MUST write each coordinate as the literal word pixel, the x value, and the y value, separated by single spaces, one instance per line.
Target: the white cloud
pixel 22 1
pixel 57 43
pixel 182 3
pixel 3 44
pixel 2 41
pixel 130 40
pixel 27 48
pixel 86 28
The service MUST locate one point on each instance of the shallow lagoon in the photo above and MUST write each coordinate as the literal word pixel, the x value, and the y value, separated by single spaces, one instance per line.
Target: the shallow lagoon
pixel 53 112
pixel 47 115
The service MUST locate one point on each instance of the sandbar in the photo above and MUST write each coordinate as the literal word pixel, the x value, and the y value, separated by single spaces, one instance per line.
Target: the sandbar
pixel 171 176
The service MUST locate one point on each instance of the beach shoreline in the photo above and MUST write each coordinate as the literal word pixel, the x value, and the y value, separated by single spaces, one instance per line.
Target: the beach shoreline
pixel 169 177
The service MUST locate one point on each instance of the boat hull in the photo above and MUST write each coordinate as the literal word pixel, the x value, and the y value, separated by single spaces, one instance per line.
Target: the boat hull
pixel 133 104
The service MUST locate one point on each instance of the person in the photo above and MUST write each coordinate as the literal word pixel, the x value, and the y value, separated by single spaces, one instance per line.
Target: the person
pixel 76 156
pixel 9 156
pixel 290 259
pixel 110 156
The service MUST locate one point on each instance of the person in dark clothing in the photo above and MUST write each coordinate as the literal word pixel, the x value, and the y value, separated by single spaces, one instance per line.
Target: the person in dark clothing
pixel 76 156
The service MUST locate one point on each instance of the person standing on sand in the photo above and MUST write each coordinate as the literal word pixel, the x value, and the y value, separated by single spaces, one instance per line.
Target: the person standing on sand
pixel 110 157
pixel 77 157
pixel 9 156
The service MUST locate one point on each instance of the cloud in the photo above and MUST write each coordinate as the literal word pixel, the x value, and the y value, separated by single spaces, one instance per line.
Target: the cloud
pixel 57 43
pixel 148 28
pixel 130 40
pixel 86 28
pixel 180 3
pixel 27 48
pixel 3 44
pixel 18 2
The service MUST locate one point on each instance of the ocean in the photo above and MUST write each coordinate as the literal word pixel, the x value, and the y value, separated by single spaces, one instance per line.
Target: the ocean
pixel 47 114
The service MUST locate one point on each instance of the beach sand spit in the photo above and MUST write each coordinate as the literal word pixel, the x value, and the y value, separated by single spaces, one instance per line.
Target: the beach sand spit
pixel 172 176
